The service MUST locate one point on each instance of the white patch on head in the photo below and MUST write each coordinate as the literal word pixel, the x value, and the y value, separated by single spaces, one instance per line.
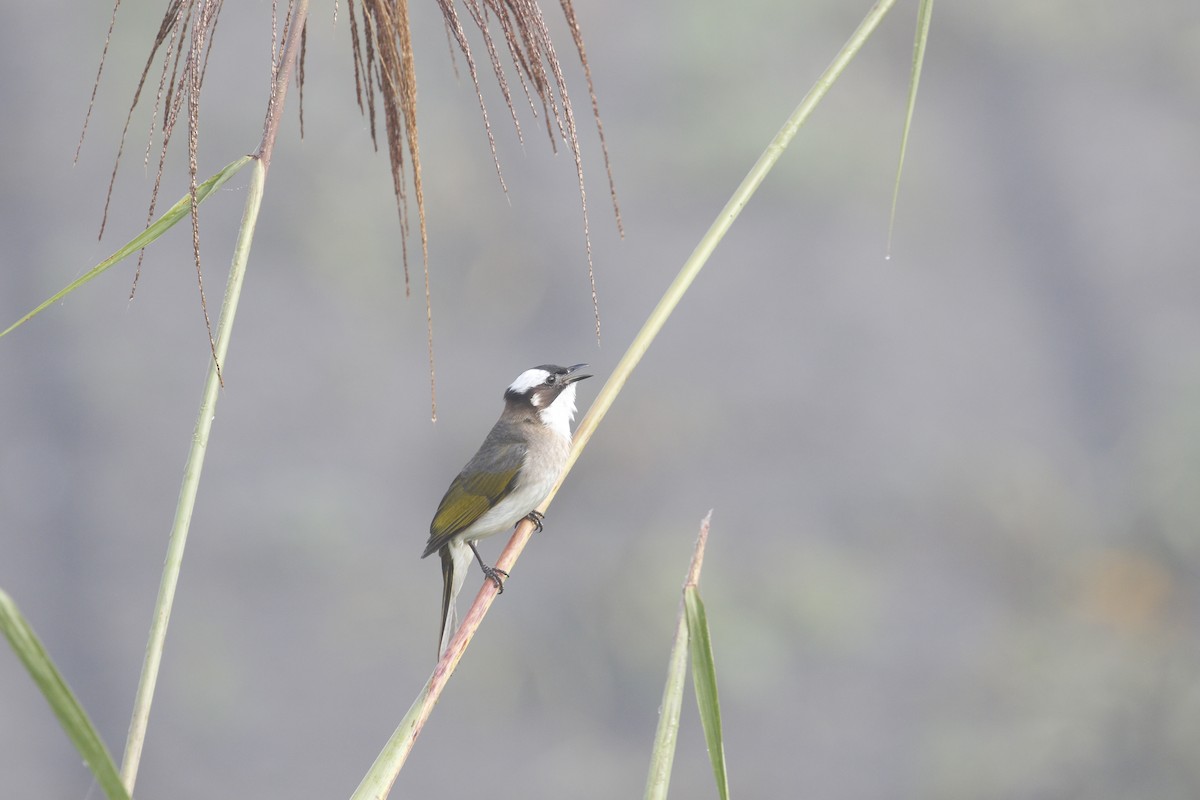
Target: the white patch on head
pixel 529 379
pixel 558 415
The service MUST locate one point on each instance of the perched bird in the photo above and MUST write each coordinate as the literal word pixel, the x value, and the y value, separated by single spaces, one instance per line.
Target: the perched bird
pixel 515 468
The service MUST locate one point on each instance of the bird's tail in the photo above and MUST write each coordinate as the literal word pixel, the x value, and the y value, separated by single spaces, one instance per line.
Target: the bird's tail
pixel 456 561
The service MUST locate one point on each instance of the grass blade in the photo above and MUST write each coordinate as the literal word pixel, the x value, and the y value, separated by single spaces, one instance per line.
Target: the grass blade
pixel 190 485
pixel 663 754
pixel 704 678
pixel 71 715
pixel 156 229
pixel 924 15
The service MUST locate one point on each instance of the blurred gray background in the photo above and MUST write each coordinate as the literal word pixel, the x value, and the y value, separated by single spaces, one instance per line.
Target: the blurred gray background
pixel 954 549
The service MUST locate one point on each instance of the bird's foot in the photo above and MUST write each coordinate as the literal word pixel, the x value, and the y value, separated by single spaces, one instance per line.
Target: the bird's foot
pixel 493 575
pixel 536 518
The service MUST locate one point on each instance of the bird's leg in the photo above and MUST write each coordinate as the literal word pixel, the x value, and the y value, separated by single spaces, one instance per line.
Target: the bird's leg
pixel 536 518
pixel 491 573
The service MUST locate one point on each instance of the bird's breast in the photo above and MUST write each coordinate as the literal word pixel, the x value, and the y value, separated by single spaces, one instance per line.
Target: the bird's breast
pixel 545 457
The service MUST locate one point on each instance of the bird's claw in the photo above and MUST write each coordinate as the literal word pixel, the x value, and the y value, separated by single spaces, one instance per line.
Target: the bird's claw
pixel 493 575
pixel 536 518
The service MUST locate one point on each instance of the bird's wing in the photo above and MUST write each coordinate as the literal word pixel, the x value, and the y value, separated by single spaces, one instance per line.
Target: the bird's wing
pixel 484 481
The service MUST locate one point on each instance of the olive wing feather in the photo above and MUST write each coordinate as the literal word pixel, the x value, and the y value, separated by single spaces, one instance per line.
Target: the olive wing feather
pixel 486 480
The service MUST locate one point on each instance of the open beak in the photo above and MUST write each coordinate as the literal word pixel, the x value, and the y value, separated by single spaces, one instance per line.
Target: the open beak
pixel 572 376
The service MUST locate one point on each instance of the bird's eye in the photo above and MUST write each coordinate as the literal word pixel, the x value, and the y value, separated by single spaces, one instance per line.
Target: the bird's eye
pixel 551 380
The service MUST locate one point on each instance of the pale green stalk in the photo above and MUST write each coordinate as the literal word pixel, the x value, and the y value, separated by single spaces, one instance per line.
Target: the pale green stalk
pixel 716 232
pixel 378 780
pixel 208 403
pixel 191 484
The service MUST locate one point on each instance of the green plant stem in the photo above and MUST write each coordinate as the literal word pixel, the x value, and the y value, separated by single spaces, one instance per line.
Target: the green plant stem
pixel 716 232
pixel 379 778
pixel 191 483
pixel 208 403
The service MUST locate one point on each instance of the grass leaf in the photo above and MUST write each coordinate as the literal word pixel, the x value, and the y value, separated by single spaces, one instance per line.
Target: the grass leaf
pixel 71 715
pixel 156 229
pixel 663 754
pixel 924 15
pixel 704 678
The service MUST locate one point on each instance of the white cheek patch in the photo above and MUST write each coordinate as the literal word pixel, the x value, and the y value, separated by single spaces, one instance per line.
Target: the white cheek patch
pixel 558 415
pixel 529 379
pixel 535 399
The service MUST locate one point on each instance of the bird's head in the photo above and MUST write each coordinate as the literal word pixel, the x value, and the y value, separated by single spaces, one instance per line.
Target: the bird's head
pixel 549 390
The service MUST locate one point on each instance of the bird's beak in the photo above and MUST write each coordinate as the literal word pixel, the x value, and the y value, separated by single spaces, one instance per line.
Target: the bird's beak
pixel 572 376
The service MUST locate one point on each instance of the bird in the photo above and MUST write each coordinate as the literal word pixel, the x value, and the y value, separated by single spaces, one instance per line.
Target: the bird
pixel 506 480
